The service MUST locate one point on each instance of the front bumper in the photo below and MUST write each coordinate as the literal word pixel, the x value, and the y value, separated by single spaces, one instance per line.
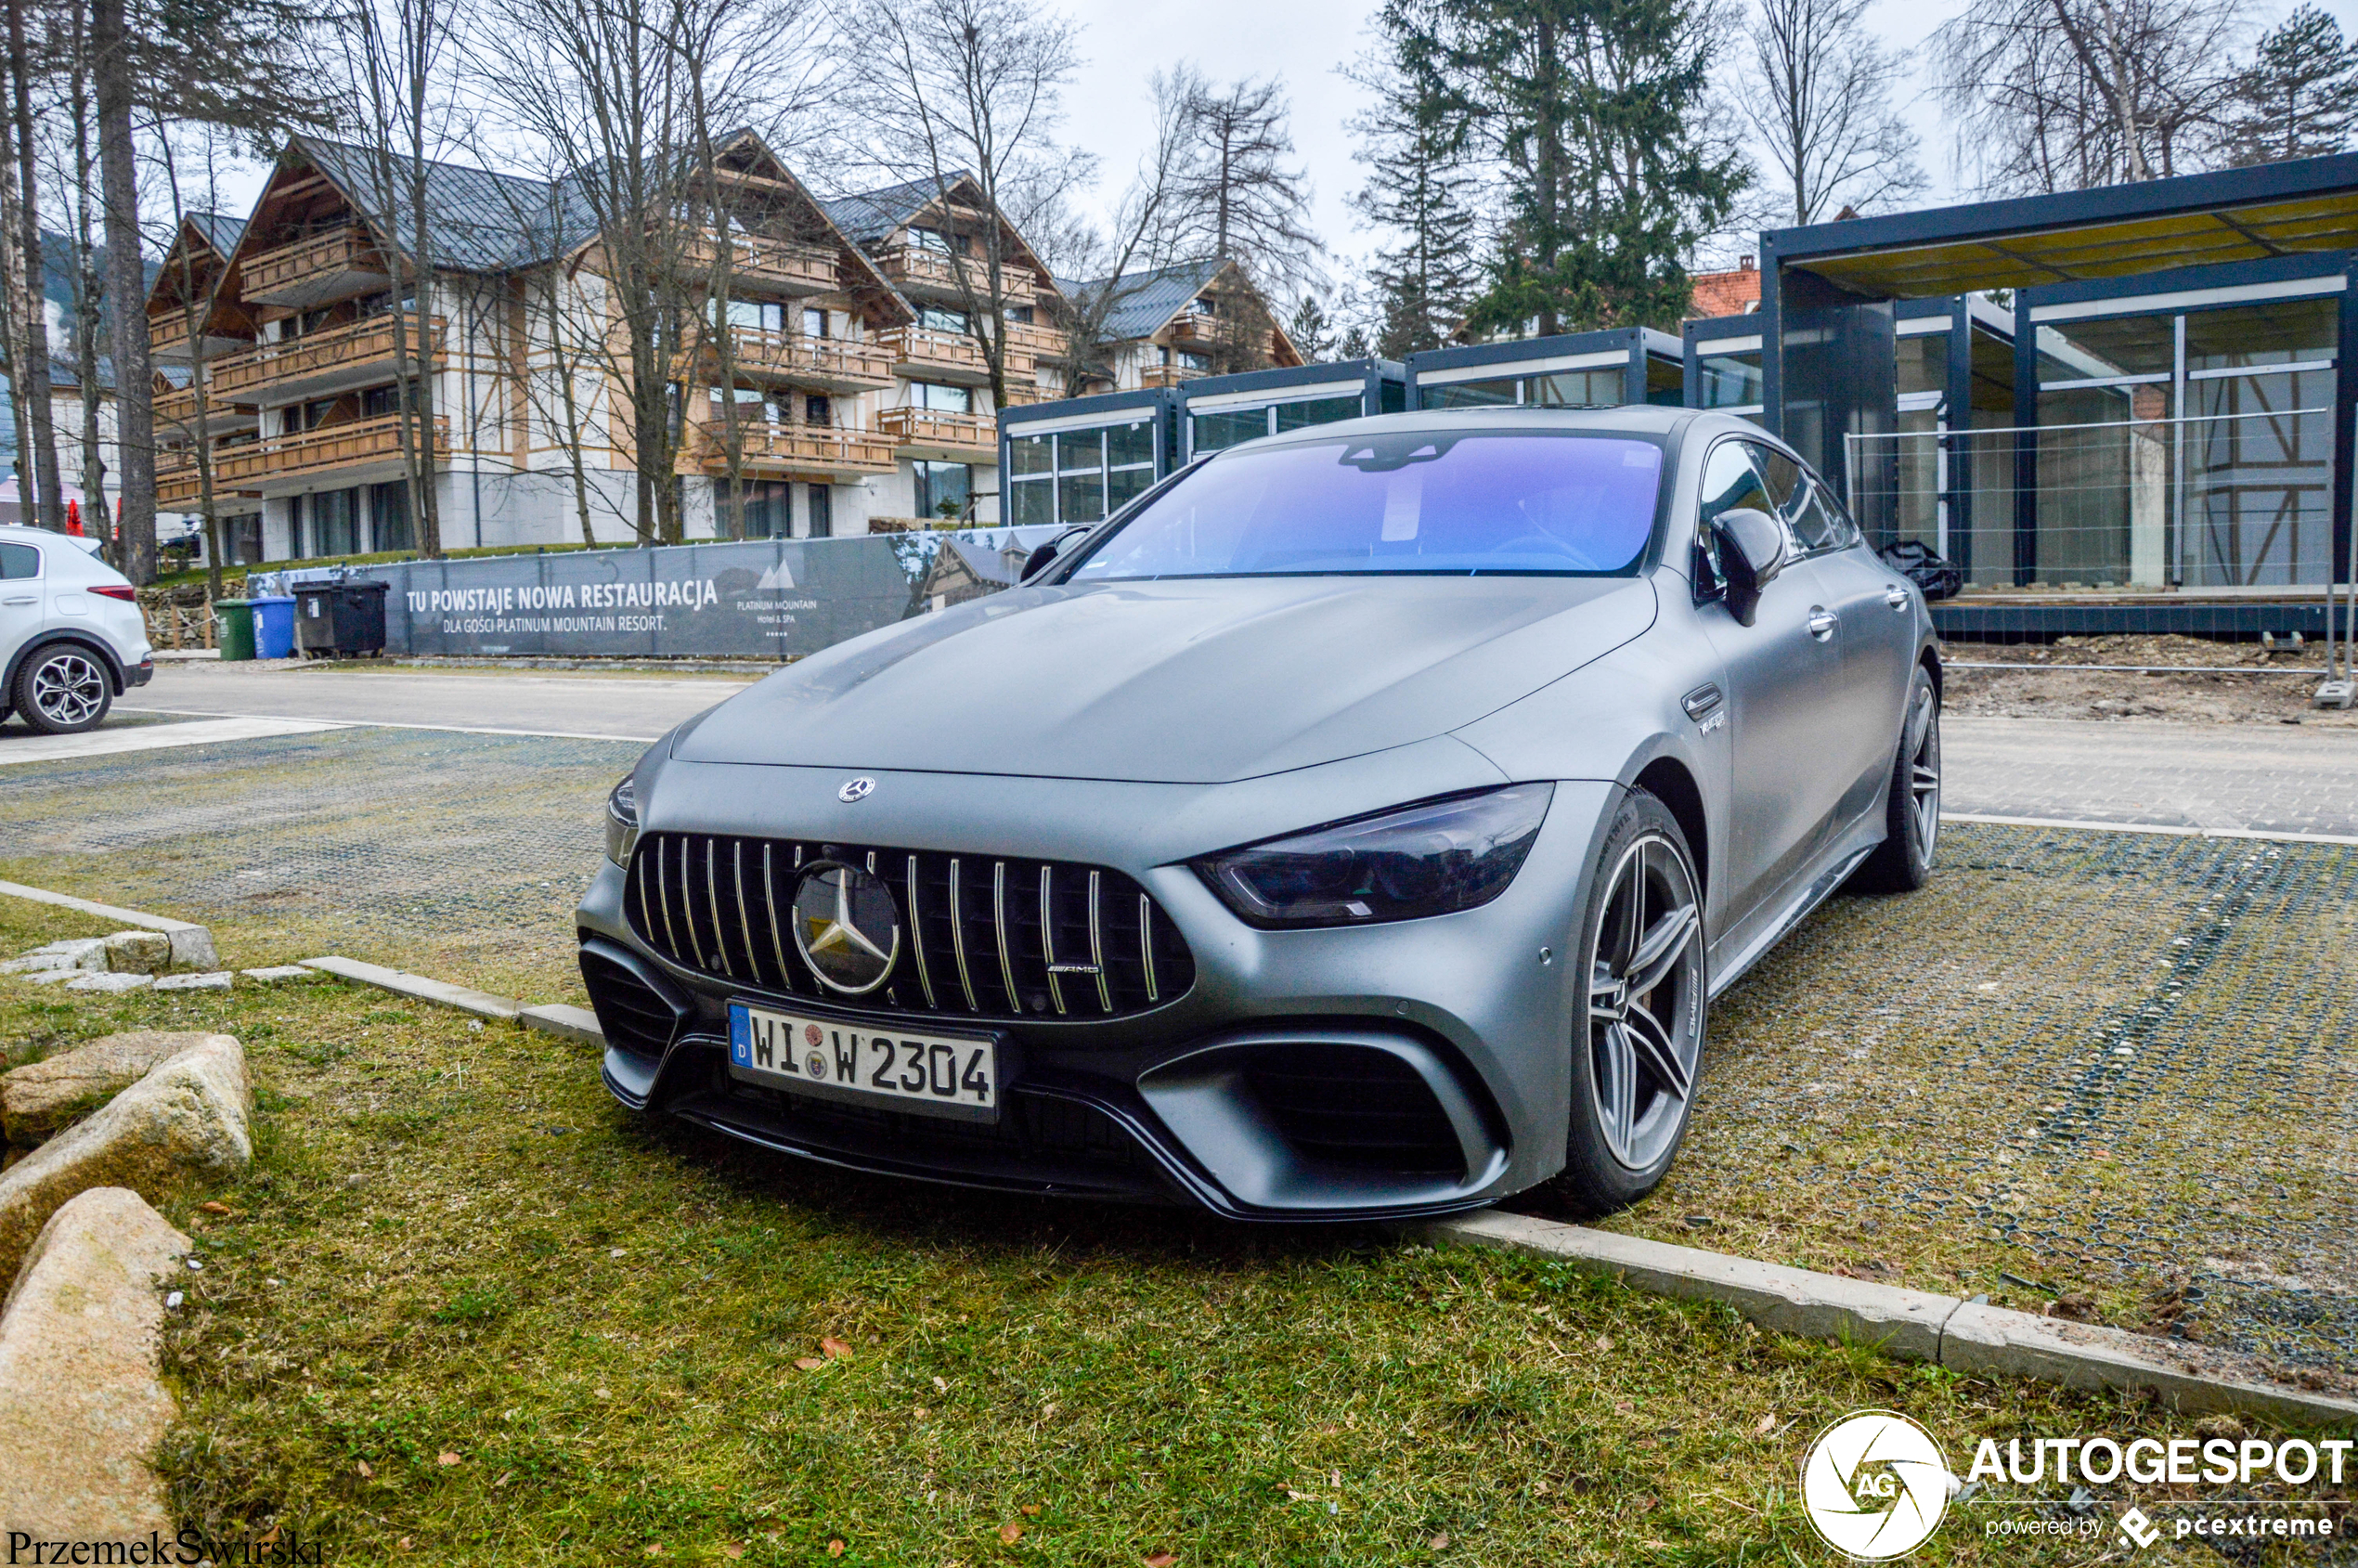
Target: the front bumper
pixel 1241 1095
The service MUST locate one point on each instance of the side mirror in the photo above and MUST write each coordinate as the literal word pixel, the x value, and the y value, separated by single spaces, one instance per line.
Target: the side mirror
pixel 1043 555
pixel 1751 551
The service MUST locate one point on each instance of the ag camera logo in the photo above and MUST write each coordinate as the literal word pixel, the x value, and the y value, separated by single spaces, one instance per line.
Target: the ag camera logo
pixel 1874 1486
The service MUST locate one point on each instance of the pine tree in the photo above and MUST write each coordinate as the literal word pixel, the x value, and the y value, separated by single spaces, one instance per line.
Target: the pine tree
pixel 2298 97
pixel 1591 110
pixel 1418 186
pixel 1311 328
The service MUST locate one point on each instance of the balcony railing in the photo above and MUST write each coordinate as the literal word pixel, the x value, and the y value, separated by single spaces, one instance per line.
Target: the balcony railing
pixel 321 355
pixel 332 446
pixel 921 350
pixel 834 363
pixel 1169 375
pixel 168 336
pixel 1041 343
pixel 770 445
pixel 787 266
pixel 176 415
pixel 932 430
pixel 915 266
pixel 325 267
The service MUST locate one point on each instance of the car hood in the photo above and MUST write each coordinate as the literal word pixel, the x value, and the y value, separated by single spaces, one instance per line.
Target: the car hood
pixel 1183 681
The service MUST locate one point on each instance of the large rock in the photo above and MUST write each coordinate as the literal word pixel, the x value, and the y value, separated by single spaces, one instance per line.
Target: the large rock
pixel 38 1101
pixel 139 952
pixel 184 1123
pixel 81 1406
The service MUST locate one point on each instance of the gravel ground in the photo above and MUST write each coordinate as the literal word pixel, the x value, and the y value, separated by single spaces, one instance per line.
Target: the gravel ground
pixel 2063 688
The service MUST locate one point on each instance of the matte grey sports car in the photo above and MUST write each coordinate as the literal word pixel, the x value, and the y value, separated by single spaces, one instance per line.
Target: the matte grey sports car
pixel 1357 824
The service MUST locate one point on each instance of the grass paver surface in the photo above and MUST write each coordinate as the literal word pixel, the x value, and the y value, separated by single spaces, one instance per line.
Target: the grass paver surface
pixel 2111 1066
pixel 464 1309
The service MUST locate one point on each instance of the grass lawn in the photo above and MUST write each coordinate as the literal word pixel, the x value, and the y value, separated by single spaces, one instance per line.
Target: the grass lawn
pixel 467 1309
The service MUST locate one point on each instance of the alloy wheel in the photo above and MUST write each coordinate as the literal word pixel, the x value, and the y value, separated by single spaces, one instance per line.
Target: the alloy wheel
pixel 1924 767
pixel 1645 1002
pixel 68 689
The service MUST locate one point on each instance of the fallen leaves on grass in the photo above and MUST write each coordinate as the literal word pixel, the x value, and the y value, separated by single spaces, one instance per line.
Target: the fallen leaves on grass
pixel 833 1348
pixel 365 1471
pixel 446 1460
pixel 1766 1425
pixel 942 1385
pixel 1011 1532
pixel 732 1551
pixel 211 1207
pixel 835 1548
pixel 809 1363
pixel 1438 1543
pixel 1029 1509
pixel 2078 1305
pixel 1163 1560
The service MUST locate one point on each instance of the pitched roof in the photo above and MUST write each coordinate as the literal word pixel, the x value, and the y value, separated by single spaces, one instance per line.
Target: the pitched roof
pixel 219 229
pixel 1727 293
pixel 477 221
pixel 1146 300
pixel 869 215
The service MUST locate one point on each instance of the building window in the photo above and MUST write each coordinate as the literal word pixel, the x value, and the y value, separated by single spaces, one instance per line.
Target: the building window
pixel 941 399
pixel 822 522
pixel 1079 476
pixel 756 316
pixel 242 536
pixel 943 489
pixel 389 509
pixel 815 322
pixel 933 319
pixel 936 242
pixel 769 507
pixel 334 523
pixel 820 411
pixel 1019 313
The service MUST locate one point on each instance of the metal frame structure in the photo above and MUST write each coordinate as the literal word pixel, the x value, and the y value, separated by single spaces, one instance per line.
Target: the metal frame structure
pixel 1641 350
pixel 1157 404
pixel 1379 386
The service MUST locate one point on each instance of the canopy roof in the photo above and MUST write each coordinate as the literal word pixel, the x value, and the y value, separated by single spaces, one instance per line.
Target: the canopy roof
pixel 2310 205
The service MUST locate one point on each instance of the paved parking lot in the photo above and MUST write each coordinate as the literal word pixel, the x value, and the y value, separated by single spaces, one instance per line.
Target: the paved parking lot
pixel 2279 779
pixel 2104 1063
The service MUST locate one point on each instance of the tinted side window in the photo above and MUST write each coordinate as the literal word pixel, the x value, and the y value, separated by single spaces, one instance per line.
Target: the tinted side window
pixel 1813 529
pixel 1729 481
pixel 19 560
pixel 1783 475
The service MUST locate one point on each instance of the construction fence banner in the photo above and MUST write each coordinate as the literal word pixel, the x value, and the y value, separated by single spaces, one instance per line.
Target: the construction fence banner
pixel 759 598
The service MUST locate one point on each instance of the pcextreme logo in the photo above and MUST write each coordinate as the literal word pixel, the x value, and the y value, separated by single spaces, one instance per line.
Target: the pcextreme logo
pixel 1874 1486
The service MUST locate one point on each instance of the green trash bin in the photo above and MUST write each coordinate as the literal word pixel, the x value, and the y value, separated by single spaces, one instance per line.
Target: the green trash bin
pixel 235 618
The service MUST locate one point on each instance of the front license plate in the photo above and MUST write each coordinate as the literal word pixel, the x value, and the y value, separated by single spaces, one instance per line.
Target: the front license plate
pixel 950 1075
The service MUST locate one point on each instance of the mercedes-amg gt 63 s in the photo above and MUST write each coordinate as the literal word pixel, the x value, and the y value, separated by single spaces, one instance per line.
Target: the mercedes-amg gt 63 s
pixel 1357 824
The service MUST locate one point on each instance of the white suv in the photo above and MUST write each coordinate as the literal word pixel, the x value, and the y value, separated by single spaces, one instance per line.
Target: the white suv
pixel 72 638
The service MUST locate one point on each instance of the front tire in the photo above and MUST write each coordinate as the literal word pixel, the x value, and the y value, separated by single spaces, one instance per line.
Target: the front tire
pixel 62 690
pixel 1638 1010
pixel 1911 813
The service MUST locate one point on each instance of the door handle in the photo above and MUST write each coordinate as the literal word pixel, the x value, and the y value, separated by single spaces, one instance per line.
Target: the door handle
pixel 1822 622
pixel 1897 597
pixel 27 598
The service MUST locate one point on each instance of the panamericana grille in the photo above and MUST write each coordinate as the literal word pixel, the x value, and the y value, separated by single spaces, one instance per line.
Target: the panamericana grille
pixel 982 937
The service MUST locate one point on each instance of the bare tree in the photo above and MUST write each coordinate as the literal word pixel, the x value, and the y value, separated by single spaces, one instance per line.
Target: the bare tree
pixel 2060 94
pixel 1102 269
pixel 949 91
pixel 75 173
pixel 628 96
pixel 1235 196
pixel 396 98
pixel 1818 96
pixel 40 490
pixel 196 282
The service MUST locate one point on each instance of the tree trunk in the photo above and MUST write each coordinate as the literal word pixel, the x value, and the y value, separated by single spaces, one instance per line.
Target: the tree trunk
pixel 127 282
pixel 32 384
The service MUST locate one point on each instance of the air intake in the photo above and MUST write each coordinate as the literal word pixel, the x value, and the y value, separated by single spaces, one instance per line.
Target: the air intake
pixel 1355 1107
pixel 632 1013
pixel 986 938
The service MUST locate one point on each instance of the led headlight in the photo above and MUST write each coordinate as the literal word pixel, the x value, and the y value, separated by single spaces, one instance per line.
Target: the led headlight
pixel 1435 857
pixel 622 820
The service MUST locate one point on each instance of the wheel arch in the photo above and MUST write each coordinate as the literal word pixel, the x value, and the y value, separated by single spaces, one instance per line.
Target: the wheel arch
pixel 53 639
pixel 1667 780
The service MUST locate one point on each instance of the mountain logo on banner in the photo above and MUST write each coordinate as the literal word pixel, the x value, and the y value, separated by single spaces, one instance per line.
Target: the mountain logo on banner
pixel 778 576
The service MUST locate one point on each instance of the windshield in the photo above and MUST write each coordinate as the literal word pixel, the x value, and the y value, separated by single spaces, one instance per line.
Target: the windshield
pixel 1418 502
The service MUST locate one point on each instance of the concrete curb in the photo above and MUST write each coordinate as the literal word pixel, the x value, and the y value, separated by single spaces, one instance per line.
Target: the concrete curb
pixel 191 943
pixel 2167 830
pixel 578 1024
pixel 1910 1325
pixel 506 1009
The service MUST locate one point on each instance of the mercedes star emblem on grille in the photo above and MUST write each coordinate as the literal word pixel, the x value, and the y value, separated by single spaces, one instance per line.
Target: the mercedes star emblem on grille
pixel 856 789
pixel 846 925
